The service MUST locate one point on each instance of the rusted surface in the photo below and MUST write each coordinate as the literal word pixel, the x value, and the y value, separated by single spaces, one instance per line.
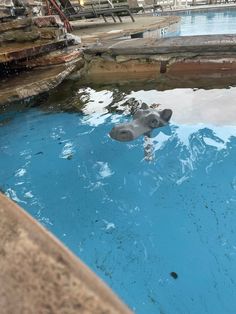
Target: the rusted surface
pixel 202 67
pixel 39 275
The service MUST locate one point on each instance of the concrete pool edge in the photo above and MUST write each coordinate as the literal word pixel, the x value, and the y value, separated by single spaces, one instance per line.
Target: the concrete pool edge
pixel 135 60
pixel 39 272
pixel 203 56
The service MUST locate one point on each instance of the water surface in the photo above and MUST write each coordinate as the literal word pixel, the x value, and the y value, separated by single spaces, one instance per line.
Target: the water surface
pixel 134 222
pixel 208 22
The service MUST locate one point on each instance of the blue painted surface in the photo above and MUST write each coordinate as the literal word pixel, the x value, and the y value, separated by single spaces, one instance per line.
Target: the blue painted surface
pixel 134 222
pixel 211 22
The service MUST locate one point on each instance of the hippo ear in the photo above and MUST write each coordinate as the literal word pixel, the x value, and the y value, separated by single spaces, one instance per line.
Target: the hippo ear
pixel 166 115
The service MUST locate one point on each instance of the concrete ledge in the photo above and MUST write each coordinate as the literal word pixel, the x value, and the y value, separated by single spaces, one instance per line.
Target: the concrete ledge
pixel 35 82
pixel 191 57
pixel 27 50
pixel 201 44
pixel 39 275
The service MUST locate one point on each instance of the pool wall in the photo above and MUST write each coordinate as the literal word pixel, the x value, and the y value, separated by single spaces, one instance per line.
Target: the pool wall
pixel 38 272
pixel 203 56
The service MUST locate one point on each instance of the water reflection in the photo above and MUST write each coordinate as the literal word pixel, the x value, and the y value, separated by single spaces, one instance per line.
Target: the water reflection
pixel 210 22
pixel 135 222
pixel 190 106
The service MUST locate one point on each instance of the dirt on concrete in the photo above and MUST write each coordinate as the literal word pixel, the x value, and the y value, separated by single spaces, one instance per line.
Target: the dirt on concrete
pixel 92 30
pixel 39 275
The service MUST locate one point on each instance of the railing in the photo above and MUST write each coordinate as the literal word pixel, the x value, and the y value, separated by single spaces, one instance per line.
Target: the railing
pixel 164 4
pixel 174 4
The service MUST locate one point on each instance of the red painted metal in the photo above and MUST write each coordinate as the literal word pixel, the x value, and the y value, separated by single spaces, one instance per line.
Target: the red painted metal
pixel 61 14
pixel 48 8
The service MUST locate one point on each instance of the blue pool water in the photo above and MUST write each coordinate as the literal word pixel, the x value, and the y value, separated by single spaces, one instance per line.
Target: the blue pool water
pixel 132 221
pixel 210 22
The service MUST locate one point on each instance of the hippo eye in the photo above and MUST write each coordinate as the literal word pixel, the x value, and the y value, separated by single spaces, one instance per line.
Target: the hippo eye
pixel 153 123
pixel 152 120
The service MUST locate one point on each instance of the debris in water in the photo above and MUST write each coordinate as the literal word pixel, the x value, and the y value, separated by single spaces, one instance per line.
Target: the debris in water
pixel 174 275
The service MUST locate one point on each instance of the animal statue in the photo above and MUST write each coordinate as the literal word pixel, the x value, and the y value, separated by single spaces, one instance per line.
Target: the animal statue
pixel 145 120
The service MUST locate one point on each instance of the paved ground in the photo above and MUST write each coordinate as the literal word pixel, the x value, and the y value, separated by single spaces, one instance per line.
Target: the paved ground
pixel 97 29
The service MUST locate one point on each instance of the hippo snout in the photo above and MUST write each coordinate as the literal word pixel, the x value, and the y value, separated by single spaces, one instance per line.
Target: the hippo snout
pixel 122 133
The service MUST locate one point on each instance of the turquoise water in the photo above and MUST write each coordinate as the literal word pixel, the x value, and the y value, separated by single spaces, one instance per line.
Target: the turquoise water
pixel 211 22
pixel 161 233
pixel 136 222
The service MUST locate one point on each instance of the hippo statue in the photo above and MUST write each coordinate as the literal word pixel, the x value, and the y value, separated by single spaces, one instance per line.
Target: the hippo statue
pixel 144 121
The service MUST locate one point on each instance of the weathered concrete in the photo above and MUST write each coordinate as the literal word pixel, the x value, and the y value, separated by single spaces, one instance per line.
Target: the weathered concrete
pixel 47 21
pixel 15 24
pixel 26 50
pixel 27 43
pixel 116 61
pixel 92 31
pixel 19 36
pixel 54 58
pixel 151 59
pixel 201 44
pixel 39 35
pixel 39 275
pixel 10 9
pixel 31 34
pixel 99 70
pixel 34 82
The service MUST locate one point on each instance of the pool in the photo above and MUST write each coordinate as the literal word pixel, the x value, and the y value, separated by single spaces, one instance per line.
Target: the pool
pixel 207 22
pixel 160 233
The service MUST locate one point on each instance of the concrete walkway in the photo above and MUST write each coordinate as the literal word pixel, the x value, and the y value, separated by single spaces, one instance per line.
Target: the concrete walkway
pixel 91 31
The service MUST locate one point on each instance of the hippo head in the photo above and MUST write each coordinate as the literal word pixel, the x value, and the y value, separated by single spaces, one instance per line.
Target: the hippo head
pixel 144 121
